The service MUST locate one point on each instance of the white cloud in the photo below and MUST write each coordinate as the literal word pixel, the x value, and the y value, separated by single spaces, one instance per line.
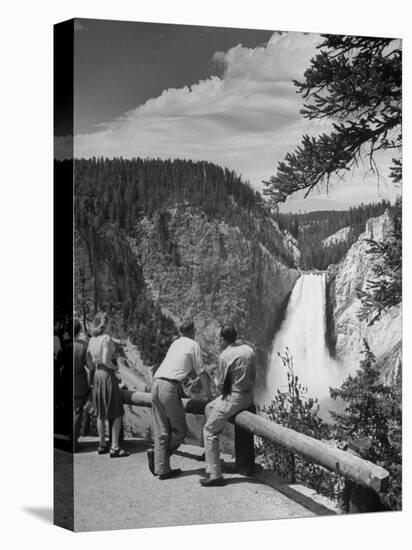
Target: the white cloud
pixel 251 107
pixel 247 119
pixel 285 57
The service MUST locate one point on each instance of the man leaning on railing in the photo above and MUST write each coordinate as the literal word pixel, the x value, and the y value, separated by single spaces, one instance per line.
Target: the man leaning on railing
pixel 183 359
pixel 235 379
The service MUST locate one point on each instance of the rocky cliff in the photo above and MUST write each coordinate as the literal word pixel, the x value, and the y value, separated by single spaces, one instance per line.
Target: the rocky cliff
pixel 338 237
pixel 348 330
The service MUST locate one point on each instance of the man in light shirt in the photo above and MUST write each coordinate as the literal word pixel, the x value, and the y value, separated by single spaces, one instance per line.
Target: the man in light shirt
pixel 235 380
pixel 183 358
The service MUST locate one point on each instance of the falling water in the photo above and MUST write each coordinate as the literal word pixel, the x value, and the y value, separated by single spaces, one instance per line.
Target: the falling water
pixel 303 332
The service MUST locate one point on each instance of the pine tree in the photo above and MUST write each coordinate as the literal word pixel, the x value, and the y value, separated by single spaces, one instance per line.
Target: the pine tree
pixel 356 82
pixel 373 410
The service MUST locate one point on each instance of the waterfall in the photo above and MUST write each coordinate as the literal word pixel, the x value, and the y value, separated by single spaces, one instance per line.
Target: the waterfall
pixel 303 332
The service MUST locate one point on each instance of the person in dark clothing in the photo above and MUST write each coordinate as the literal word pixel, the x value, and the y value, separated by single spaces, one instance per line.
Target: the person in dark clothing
pixel 81 379
pixel 76 378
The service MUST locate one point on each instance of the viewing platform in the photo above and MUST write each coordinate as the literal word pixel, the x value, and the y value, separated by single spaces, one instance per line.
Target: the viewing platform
pixel 122 494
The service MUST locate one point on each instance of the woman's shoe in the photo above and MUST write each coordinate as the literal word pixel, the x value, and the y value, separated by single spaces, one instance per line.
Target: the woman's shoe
pixel 118 453
pixel 102 450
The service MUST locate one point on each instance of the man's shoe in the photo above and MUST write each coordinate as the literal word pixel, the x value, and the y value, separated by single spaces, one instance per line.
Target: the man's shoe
pixel 150 461
pixel 172 473
pixel 212 482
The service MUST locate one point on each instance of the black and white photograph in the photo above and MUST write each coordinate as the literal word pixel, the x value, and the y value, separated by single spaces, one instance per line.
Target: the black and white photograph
pixel 228 274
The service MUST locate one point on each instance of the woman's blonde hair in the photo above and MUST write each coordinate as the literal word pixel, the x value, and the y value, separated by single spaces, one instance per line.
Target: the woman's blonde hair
pixel 99 324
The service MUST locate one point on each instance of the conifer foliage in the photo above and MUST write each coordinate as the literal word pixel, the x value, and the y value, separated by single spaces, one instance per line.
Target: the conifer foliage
pixel 311 228
pixel 373 410
pixel 356 83
pixel 120 191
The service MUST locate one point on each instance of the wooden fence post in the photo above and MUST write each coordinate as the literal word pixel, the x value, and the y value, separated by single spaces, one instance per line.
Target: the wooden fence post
pixel 245 449
pixel 361 499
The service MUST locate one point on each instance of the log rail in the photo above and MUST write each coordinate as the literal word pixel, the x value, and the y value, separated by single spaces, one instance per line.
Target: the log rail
pixel 366 478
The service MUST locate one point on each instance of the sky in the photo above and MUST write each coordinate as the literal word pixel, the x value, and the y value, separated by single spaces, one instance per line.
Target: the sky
pixel 202 93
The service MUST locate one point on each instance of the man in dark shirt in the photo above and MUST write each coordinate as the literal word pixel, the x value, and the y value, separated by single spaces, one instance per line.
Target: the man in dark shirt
pixel 75 368
pixel 235 380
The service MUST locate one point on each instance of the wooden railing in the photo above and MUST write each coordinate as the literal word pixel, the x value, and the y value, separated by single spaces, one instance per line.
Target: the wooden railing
pixel 365 479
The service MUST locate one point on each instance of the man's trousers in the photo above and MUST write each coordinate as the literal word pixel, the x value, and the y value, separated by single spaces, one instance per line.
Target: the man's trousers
pixel 169 421
pixel 218 412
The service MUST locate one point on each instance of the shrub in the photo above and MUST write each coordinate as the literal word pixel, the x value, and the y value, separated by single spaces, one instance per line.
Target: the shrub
pixel 294 409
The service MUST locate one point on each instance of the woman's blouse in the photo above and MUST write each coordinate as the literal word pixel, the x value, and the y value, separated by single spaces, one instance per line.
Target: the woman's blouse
pixel 101 349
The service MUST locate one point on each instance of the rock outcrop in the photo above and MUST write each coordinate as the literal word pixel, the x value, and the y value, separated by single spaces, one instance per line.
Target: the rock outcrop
pixel 338 237
pixel 344 281
pixel 292 246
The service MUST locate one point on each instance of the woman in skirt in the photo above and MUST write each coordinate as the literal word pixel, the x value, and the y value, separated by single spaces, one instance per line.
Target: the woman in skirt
pixel 107 398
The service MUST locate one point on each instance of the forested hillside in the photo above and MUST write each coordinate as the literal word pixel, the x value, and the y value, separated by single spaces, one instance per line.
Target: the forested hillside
pixel 311 228
pixel 121 191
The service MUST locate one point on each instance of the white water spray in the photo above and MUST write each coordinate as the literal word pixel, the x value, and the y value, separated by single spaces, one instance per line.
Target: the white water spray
pixel 303 332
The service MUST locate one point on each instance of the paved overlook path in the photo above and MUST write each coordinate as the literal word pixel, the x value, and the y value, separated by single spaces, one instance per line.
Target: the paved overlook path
pixel 122 494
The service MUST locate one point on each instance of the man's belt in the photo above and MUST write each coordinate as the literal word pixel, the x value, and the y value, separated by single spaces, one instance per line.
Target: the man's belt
pixel 168 380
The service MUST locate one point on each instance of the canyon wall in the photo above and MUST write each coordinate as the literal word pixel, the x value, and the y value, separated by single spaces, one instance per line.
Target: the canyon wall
pixel 344 281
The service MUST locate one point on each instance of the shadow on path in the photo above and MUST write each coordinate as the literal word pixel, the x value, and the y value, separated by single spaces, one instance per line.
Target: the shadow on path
pixel 229 467
pixel 185 454
pixel 234 480
pixel 274 481
pixel 133 446
pixel 186 473
pixel 229 480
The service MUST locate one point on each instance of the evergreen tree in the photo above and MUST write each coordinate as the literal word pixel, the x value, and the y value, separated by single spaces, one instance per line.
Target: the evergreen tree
pixel 311 228
pixel 373 410
pixel 356 82
pixel 118 191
